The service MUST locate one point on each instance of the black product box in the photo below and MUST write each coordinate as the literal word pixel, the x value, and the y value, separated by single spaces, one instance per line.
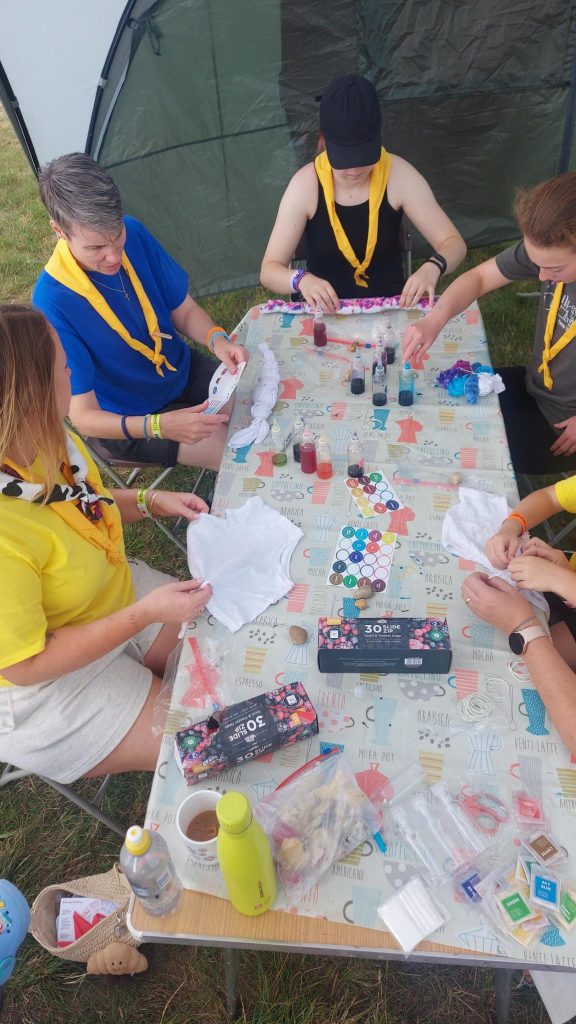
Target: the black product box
pixel 383 645
pixel 244 731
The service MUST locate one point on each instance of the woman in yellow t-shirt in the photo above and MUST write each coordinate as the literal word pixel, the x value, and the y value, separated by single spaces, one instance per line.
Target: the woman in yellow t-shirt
pixel 84 634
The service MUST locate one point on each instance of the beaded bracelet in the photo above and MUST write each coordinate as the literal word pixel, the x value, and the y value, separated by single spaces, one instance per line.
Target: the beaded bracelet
pixel 141 502
pixel 125 430
pixel 521 520
pixel 212 333
pixel 155 426
pixel 145 428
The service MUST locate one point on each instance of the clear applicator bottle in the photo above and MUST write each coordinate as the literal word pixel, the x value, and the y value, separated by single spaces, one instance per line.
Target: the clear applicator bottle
pixel 355 457
pixel 324 468
pixel 277 445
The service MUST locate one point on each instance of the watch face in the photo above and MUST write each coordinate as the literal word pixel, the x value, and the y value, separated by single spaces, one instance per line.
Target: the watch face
pixel 516 641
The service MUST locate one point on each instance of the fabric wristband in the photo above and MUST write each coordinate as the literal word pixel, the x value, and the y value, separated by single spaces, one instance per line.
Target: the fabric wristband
pixel 155 426
pixel 296 279
pixel 124 428
pixel 438 261
pixel 213 333
pixel 145 428
pixel 141 502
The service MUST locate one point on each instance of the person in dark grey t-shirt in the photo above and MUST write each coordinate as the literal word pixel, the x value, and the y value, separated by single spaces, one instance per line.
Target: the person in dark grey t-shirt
pixel 539 404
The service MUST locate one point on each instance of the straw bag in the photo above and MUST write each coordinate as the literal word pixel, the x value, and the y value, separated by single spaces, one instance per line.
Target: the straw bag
pixel 111 885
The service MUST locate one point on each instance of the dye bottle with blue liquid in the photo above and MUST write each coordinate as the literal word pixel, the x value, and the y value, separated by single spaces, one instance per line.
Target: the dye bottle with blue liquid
pixel 406 385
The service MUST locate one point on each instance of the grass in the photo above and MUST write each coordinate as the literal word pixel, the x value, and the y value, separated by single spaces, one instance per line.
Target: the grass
pixel 43 839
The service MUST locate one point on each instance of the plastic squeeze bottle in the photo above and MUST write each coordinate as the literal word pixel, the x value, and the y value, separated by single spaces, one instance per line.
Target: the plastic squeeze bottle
pixel 379 355
pixel 389 340
pixel 278 445
pixel 244 856
pixel 297 437
pixel 147 864
pixel 406 385
pixel 357 383
pixel 355 457
pixel 307 452
pixel 379 386
pixel 323 459
pixel 319 328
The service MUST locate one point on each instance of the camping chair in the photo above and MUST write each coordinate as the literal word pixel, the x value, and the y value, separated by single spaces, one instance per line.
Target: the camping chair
pixel 301 254
pixel 109 464
pixel 93 807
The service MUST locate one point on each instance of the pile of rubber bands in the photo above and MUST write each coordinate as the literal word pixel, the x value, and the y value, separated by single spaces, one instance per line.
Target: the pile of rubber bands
pixel 473 380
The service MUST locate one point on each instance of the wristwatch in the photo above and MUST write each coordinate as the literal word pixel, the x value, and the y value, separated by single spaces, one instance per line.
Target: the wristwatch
pixel 520 638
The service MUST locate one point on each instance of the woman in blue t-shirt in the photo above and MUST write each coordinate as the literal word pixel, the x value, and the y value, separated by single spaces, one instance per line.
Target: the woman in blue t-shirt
pixel 119 303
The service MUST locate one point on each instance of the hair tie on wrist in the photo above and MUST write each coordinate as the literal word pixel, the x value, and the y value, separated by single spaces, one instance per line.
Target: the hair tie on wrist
pixel 124 428
pixel 438 261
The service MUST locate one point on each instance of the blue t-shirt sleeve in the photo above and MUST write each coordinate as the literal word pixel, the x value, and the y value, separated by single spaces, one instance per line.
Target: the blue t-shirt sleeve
pixel 171 278
pixel 78 357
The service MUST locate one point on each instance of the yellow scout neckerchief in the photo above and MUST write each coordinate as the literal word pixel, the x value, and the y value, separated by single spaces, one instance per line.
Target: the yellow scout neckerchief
pixel 63 268
pixel 549 353
pixel 80 505
pixel 378 182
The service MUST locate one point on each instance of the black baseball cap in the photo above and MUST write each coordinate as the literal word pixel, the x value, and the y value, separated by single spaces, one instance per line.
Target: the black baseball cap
pixel 350 122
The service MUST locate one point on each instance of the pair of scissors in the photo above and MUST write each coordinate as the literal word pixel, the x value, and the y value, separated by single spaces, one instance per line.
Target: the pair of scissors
pixel 486 810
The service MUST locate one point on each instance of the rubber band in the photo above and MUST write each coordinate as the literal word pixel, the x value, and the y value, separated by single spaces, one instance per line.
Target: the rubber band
pixel 496 688
pixel 521 520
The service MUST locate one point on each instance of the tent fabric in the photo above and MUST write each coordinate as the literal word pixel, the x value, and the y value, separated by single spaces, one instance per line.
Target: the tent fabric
pixel 208 106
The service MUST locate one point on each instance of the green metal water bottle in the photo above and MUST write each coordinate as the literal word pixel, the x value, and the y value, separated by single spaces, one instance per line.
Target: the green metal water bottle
pixel 244 855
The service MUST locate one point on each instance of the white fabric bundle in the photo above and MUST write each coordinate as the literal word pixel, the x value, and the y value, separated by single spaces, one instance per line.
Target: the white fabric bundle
pixel 488 382
pixel 245 556
pixel 263 401
pixel 469 525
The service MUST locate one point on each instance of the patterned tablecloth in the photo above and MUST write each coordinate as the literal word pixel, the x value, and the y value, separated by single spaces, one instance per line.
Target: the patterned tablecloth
pixel 400 719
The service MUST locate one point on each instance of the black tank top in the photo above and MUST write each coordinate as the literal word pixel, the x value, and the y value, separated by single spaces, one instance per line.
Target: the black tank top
pixel 384 274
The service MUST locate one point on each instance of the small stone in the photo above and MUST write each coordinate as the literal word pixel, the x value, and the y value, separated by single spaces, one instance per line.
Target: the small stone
pixel 361 604
pixel 363 594
pixel 455 478
pixel 298 634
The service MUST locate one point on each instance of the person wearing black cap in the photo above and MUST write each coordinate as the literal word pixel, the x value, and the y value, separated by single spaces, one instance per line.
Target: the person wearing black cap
pixel 349 204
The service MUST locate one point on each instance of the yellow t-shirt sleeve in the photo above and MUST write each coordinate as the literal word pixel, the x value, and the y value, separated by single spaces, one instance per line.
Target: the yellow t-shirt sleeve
pixel 566 493
pixel 22 620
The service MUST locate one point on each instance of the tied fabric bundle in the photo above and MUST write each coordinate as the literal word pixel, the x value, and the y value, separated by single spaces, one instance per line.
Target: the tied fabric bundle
pixel 473 380
pixel 263 401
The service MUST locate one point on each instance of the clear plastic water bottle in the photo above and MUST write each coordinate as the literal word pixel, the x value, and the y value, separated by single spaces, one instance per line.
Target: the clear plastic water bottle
pixel 406 385
pixel 379 355
pixel 147 864
pixel 244 856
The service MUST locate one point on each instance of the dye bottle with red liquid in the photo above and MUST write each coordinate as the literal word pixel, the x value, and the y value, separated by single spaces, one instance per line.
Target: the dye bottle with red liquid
pixel 319 329
pixel 307 452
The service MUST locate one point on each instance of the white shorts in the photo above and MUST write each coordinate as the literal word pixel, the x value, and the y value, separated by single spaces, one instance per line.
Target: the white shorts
pixel 65 727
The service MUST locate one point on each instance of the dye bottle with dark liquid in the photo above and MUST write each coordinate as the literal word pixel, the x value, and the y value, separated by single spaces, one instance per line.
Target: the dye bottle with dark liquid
pixel 355 457
pixel 307 452
pixel 379 386
pixel 357 373
pixel 406 385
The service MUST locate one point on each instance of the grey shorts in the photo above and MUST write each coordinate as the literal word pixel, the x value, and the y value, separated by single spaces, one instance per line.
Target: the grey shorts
pixel 165 452
pixel 65 727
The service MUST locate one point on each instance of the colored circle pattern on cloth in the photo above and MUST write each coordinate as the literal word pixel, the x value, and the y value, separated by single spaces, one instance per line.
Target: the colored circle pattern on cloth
pixel 362 558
